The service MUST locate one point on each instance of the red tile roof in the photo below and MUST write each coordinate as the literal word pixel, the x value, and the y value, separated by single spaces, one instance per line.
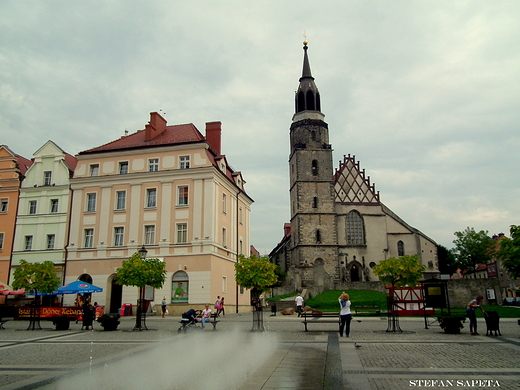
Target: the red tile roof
pixel 177 134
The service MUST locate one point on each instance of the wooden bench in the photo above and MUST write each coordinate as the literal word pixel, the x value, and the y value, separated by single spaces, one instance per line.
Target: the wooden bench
pixel 214 320
pixel 367 310
pixel 314 318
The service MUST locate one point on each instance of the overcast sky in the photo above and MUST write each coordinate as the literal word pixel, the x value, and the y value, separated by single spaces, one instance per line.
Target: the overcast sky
pixel 424 93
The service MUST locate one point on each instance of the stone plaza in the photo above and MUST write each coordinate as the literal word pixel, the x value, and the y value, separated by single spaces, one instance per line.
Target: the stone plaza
pixel 284 356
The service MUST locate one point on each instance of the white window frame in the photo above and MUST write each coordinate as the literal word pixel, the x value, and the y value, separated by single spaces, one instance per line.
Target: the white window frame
pixel 91 202
pixel 153 165
pixel 120 200
pixel 224 284
pixel 149 234
pixel 119 235
pixel 54 205
pixel 51 241
pixel 224 203
pixel 224 237
pixel 123 167
pixel 94 170
pixel 47 178
pixel 4 205
pixel 88 241
pixel 184 201
pixel 28 243
pixel 149 198
pixel 181 232
pixel 184 162
pixel 32 207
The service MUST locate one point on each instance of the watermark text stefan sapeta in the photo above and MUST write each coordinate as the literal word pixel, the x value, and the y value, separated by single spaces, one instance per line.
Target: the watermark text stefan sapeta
pixel 471 383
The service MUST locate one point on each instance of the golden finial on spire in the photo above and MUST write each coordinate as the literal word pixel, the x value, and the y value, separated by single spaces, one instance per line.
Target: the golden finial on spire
pixel 305 39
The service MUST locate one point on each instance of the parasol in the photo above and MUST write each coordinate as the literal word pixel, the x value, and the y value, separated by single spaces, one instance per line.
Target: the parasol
pixel 78 287
pixel 5 289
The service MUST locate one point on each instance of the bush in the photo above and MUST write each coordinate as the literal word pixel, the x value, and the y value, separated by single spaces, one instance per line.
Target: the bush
pixel 328 300
pixel 109 321
pixel 451 323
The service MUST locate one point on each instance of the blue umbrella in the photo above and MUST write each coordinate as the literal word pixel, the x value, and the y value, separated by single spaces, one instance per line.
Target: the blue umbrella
pixel 78 287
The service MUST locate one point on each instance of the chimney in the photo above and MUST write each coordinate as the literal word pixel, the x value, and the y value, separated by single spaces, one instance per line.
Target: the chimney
pixel 213 135
pixel 156 126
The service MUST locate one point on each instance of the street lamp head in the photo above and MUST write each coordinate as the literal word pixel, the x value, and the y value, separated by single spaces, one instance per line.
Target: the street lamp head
pixel 143 252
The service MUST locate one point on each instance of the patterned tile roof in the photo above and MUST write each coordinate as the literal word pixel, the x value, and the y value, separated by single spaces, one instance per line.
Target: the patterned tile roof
pixel 172 135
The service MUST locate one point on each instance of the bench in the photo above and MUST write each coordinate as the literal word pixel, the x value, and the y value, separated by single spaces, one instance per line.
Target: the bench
pixel 314 318
pixel 214 321
pixel 368 310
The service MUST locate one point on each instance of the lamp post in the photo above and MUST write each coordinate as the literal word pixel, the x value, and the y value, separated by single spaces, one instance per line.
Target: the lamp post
pixel 140 318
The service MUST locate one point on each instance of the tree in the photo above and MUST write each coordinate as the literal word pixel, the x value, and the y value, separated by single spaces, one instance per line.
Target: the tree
pixel 472 248
pixel 446 260
pixel 141 272
pixel 255 272
pixel 35 278
pixel 401 271
pixel 509 252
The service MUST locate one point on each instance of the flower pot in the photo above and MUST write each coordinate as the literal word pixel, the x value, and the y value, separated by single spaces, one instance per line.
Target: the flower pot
pixel 61 323
pixel 451 324
pixel 109 321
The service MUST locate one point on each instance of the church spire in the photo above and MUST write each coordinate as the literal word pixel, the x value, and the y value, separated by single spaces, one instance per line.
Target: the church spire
pixel 307 96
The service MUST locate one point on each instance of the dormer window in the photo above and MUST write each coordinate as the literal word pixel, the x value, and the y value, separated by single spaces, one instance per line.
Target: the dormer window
pixel 123 167
pixel 94 170
pixel 184 162
pixel 47 178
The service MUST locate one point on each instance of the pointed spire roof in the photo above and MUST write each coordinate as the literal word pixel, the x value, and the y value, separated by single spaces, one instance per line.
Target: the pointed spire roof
pixel 307 96
pixel 306 72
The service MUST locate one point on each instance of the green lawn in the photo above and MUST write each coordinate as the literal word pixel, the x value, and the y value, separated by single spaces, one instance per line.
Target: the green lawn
pixel 328 301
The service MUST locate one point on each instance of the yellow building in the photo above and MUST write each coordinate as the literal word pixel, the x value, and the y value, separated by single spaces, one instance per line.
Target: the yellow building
pixel 170 189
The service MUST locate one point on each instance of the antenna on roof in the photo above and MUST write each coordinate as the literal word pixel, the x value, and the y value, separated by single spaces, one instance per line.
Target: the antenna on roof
pixel 126 132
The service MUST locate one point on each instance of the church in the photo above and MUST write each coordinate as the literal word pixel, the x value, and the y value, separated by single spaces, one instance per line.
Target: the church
pixel 339 228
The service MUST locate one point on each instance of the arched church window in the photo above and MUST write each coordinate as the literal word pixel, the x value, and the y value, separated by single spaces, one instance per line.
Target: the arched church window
pixel 310 101
pixel 355 228
pixel 314 167
pixel 318 104
pixel 315 202
pixel 400 248
pixel 300 103
pixel 318 236
pixel 313 135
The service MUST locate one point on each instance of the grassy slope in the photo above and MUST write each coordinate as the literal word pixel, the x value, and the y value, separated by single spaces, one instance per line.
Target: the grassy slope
pixel 328 301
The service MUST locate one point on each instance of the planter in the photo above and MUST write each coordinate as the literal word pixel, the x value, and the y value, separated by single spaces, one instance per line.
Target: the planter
pixel 109 321
pixel 451 323
pixel 62 323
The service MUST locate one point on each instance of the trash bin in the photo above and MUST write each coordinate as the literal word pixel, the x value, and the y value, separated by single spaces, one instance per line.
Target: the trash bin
pixel 492 323
pixel 273 309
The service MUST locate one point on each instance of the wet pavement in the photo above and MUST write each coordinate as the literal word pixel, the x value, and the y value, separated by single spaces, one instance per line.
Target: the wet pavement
pixel 282 357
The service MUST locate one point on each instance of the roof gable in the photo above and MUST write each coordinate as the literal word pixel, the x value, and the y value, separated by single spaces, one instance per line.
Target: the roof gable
pixel 351 186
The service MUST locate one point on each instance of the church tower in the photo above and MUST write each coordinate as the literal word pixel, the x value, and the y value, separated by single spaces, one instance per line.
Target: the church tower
pixel 314 237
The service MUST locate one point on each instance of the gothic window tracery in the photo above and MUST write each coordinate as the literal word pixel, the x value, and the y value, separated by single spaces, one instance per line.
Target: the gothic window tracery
pixel 355 228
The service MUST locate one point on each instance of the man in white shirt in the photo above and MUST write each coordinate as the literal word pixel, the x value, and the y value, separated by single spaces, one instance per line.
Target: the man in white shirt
pixel 298 301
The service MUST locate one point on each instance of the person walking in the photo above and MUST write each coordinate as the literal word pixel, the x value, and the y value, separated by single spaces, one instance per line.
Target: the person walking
pixel 221 309
pixel 298 302
pixel 163 307
pixel 470 311
pixel 217 304
pixel 345 316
